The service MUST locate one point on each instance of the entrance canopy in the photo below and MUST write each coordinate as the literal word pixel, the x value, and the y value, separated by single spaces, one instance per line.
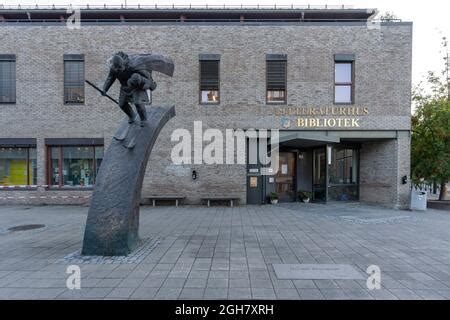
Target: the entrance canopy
pixel 310 138
pixel 306 139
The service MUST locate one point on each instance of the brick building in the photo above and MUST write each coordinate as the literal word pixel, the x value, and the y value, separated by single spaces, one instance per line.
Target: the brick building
pixel 335 83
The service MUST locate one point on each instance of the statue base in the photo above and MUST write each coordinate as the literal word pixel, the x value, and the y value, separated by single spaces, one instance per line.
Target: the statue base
pixel 113 219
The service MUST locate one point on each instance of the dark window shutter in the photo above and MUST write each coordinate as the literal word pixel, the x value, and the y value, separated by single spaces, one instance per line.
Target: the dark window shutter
pixel 7 78
pixel 73 79
pixel 209 75
pixel 276 74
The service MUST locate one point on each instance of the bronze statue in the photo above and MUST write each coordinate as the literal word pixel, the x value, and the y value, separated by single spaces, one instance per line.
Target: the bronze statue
pixel 113 220
pixel 134 73
pixel 134 80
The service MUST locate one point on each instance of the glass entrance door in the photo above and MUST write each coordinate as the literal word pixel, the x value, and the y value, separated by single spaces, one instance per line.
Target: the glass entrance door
pixel 319 174
pixel 285 178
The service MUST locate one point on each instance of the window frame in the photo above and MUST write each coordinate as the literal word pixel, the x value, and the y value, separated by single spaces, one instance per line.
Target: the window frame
pixel 74 58
pixel 49 165
pixel 29 178
pixel 356 154
pixel 276 57
pixel 12 59
pixel 202 58
pixel 344 59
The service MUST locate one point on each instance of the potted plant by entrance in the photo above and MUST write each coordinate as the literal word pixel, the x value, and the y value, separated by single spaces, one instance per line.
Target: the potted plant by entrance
pixel 304 196
pixel 273 197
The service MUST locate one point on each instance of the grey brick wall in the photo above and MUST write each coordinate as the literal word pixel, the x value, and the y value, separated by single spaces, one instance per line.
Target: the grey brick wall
pixel 382 166
pixel 382 73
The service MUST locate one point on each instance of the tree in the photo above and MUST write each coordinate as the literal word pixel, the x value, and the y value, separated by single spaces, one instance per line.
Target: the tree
pixel 430 139
pixel 388 16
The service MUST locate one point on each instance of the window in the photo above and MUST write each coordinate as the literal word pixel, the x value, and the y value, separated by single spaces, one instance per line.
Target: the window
pixel 209 78
pixel 276 78
pixel 7 78
pixel 343 174
pixel 343 169
pixel 343 79
pixel 74 166
pixel 17 166
pixel 73 78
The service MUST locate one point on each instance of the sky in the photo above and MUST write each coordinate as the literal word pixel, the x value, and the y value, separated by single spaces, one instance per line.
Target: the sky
pixel 430 20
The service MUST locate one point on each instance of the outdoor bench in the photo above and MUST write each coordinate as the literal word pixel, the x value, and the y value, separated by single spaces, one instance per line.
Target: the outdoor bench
pixel 177 199
pixel 231 199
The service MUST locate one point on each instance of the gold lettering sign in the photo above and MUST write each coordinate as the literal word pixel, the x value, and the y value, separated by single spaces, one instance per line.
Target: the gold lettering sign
pixel 322 111
pixel 327 122
pixel 319 117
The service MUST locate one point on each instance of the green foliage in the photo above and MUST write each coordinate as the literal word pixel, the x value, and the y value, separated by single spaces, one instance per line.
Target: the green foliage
pixel 430 139
pixel 430 154
pixel 304 195
pixel 273 195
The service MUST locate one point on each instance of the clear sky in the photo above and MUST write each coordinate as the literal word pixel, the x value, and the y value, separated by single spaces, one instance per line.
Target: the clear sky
pixel 431 20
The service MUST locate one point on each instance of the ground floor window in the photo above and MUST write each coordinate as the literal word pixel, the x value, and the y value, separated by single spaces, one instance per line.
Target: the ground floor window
pixel 74 166
pixel 343 174
pixel 17 166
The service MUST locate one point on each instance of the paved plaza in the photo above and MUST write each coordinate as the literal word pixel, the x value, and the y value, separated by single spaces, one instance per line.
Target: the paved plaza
pixel 196 252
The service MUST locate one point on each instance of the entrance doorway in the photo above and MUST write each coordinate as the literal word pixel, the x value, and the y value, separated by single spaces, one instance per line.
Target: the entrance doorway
pixel 319 175
pixel 254 189
pixel 285 181
pixel 323 168
pixel 255 181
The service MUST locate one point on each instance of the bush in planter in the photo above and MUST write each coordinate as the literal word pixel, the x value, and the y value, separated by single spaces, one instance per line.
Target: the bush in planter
pixel 305 196
pixel 273 196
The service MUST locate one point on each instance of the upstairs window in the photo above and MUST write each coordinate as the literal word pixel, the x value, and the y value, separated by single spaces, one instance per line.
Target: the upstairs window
pixel 209 79
pixel 343 79
pixel 7 78
pixel 276 78
pixel 74 78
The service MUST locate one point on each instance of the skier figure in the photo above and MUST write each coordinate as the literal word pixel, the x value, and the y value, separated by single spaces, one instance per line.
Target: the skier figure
pixel 135 76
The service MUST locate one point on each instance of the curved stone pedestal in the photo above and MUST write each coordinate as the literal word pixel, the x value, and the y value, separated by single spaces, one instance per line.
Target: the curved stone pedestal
pixel 113 220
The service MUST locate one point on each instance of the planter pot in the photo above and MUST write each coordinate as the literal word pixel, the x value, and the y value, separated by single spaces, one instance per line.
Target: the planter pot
pixel 306 200
pixel 274 201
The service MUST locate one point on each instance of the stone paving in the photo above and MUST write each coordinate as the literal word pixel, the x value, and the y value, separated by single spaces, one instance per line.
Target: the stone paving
pixel 227 253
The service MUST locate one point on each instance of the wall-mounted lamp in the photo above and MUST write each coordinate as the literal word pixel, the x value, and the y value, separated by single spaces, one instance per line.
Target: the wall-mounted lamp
pixel 194 175
pixel 404 180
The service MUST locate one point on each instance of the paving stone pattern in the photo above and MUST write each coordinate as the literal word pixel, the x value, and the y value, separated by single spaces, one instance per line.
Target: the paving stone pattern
pixel 228 253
